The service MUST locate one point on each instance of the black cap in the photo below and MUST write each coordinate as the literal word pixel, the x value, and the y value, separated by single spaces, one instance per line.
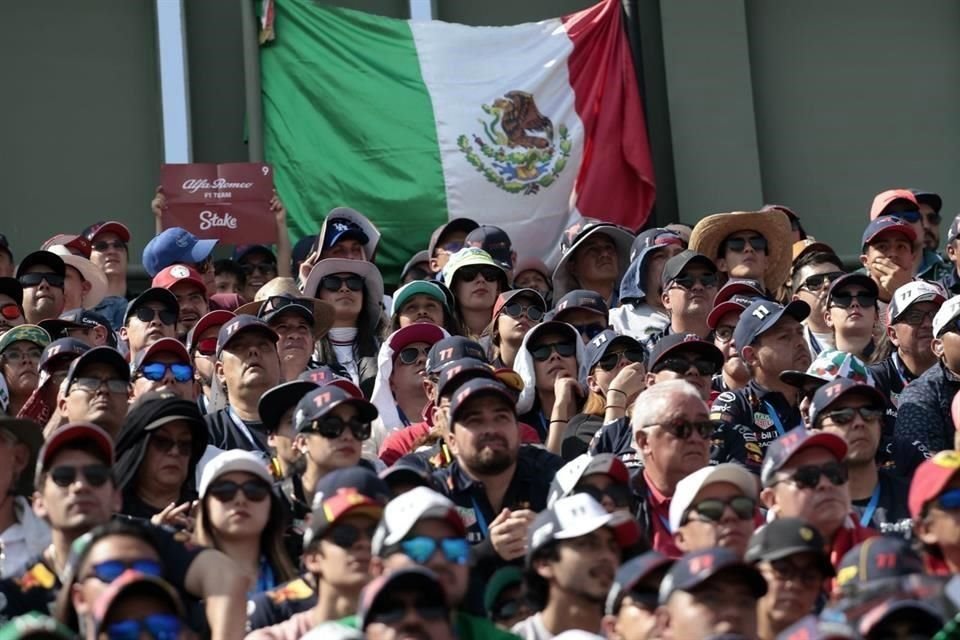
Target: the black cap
pixel 832 391
pixel 494 241
pixel 67 348
pixel 105 355
pixel 476 388
pixel 598 346
pixel 153 294
pixel 693 569
pixel 12 288
pixel 154 409
pixel 466 225
pixel 45 258
pixel 448 350
pixel 342 491
pixel 323 375
pixel 678 263
pixel 280 399
pixel 651 565
pixel 854 278
pixel 75 319
pixel 302 248
pixel 459 372
pixel 761 316
pixel 582 299
pixel 410 470
pixel 879 558
pixel 928 198
pixel 321 401
pixel 785 537
pixel 241 324
pixel 676 342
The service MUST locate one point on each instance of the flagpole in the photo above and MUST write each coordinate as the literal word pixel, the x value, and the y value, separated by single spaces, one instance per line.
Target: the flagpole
pixel 251 82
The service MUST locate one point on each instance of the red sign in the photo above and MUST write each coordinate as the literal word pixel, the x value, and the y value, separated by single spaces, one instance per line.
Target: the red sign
pixel 229 202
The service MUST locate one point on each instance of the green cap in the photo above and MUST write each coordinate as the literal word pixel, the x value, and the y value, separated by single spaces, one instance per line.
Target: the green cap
pixel 35 625
pixel 29 332
pixel 418 287
pixel 502 578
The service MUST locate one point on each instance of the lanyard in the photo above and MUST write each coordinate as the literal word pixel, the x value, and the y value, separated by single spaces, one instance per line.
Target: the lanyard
pixel 773 416
pixel 242 427
pixel 481 521
pixel 402 416
pixel 900 368
pixel 871 507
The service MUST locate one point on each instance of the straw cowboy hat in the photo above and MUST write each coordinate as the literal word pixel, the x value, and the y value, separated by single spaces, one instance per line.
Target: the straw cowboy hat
pixel 322 311
pixel 773 225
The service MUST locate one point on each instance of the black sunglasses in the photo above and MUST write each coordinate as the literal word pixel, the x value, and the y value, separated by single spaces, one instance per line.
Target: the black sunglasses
pixel 818 281
pixel 146 314
pixel 265 268
pixel 846 300
pixel 346 535
pixel 515 310
pixel 275 303
pixel 563 349
pixel 469 274
pixel 758 243
pixel 163 444
pixel 96 475
pixel 808 477
pixel 335 283
pixel 845 416
pixel 333 427
pixel 226 490
pixel 619 494
pixel 683 429
pixel 681 365
pixel 103 245
pixel 409 355
pixel 610 361
pixel 705 280
pixel 712 508
pixel 34 279
pixel 933 217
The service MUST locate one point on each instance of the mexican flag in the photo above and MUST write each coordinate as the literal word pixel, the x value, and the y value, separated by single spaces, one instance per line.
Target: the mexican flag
pixel 414 123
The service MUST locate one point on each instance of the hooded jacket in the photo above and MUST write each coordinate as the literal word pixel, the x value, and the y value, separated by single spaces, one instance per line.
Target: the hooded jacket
pixel 634 317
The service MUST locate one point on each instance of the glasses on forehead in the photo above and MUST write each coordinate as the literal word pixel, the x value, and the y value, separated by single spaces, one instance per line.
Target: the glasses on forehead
pixel 737 245
pixel 819 281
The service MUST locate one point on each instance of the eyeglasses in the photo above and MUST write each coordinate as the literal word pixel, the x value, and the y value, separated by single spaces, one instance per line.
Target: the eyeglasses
pixel 10 311
pixel 226 490
pixel 681 365
pixel 156 371
pixel 705 280
pixel 845 416
pixel 95 475
pixel 394 612
pixel 346 535
pixel 712 508
pixel 207 346
pixel 758 243
pixel 163 444
pixel 34 279
pixel 913 217
pixel 264 268
pixel 146 314
pixel 723 334
pixel 819 281
pixel 845 300
pixel 92 385
pixel 785 571
pixel 610 361
pixel 333 427
pixel 103 245
pixel 421 549
pixel 683 429
pixel 590 331
pixel 808 477
pixel 110 570
pixel 409 355
pixel 469 274
pixel 563 349
pixel 915 317
pixel 515 310
pixel 159 626
pixel 948 500
pixel 619 494
pixel 16 356
pixel 335 283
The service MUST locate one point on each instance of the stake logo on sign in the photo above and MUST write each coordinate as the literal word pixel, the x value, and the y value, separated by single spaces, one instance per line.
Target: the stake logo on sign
pixel 518 141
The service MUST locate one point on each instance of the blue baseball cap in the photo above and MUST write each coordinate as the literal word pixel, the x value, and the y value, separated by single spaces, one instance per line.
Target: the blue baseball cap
pixel 888 224
pixel 598 346
pixel 651 564
pixel 761 316
pixel 175 245
pixel 342 229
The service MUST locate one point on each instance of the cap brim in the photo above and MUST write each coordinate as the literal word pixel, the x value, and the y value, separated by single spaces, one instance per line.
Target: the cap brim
pixel 801 379
pixel 721 310
pixel 278 400
pixel 823 561
pixel 624 528
pixel 202 250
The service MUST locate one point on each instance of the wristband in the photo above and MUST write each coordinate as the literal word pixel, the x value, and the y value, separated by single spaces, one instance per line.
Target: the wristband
pixel 613 406
pixel 609 391
pixel 564 421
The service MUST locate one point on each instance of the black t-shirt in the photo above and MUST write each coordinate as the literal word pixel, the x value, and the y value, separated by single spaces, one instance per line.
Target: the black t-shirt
pixel 890 515
pixel 225 434
pixel 276 605
pixel 891 377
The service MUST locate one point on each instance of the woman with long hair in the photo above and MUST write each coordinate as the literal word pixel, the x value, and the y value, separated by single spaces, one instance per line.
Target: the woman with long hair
pixel 475 280
pixel 514 314
pixel 241 515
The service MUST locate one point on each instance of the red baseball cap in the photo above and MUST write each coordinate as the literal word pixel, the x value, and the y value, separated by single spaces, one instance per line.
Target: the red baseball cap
pixel 417 332
pixel 163 345
pixel 930 478
pixel 86 432
pixel 111 226
pixel 883 200
pixel 175 273
pixel 70 241
pixel 216 318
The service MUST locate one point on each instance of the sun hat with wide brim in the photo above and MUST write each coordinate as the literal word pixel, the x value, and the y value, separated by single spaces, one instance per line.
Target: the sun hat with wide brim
pixel 372 282
pixel 286 287
pixel 88 271
pixel 564 281
pixel 774 225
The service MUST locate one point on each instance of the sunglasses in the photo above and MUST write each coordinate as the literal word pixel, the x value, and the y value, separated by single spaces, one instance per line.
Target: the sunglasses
pixel 451 247
pixel 563 349
pixel 333 427
pixel 845 416
pixel 10 311
pixel 254 490
pixel 757 243
pixel 92 385
pixel 335 283
pixel 146 314
pixel 712 508
pixel 683 429
pixel 395 612
pixel 96 475
pixel 785 571
pixel 103 245
pixel 948 500
pixel 16 356
pixel 469 274
pixel 410 355
pixel 207 346
pixel 846 300
pixel 610 361
pixel 110 570
pixel 346 535
pixel 28 280
pixel 913 217
pixel 819 281
pixel 421 548
pixel 159 626
pixel 590 331
pixel 723 334
pixel 915 317
pixel 156 371
pixel 264 268
pixel 808 477
pixel 705 280
pixel 166 445
pixel 619 494
pixel 516 310
pixel 275 303
pixel 681 365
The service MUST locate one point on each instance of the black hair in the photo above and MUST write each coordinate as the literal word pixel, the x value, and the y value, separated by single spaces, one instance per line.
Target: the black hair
pixel 228 266
pixel 811 258
pixel 536 587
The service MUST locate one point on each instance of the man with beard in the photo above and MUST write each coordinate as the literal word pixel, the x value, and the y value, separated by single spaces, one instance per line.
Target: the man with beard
pixel 42 275
pixel 190 291
pixel 248 365
pixel 573 553
pixel 11 304
pixel 689 284
pixel 202 347
pixel 769 338
pixel 150 316
pixel 97 390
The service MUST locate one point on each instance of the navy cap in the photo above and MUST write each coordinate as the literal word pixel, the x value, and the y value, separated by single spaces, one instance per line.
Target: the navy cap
pixel 785 537
pixel 887 224
pixel 302 249
pixel 854 278
pixel 12 288
pixel 579 299
pixel 69 348
pixel 342 229
pixel 175 245
pixel 598 346
pixel 321 401
pixel 153 294
pixel 324 375
pixel 695 568
pixel 460 371
pixel 445 351
pixel 280 399
pixel 792 442
pixel 45 258
pixel 105 355
pixel 678 264
pixel 240 252
pixel 877 558
pixel 833 391
pixel 346 491
pixel 651 565
pixel 75 319
pixel 477 388
pixel 494 241
pixel 761 316
pixel 656 237
pixel 409 470
pixel 675 342
pixel 240 324
pixel 929 198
